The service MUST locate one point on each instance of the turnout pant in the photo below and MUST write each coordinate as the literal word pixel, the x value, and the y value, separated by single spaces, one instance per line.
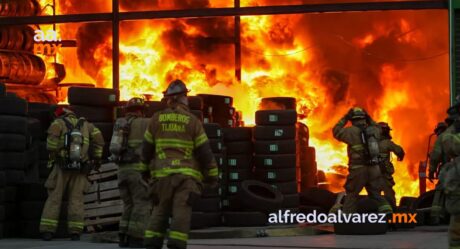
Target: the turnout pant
pixel 437 207
pixel 454 232
pixel 368 177
pixel 136 203
pixel 172 197
pixel 388 191
pixel 57 183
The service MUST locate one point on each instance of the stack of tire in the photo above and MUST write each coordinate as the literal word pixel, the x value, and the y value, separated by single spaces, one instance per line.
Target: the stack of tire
pixel 207 210
pixel 218 109
pixel 17 156
pixel 195 104
pixel 307 158
pixel 97 105
pixel 239 148
pixel 275 149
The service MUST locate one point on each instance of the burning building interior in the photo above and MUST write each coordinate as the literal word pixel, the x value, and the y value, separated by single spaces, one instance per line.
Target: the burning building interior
pixel 393 63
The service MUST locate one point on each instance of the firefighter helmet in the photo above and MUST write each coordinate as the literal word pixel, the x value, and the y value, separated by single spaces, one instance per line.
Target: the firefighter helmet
pixel 176 87
pixel 135 103
pixel 384 125
pixel 358 113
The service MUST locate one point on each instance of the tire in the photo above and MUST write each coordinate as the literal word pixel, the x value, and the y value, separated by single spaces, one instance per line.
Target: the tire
pixel 360 228
pixel 275 147
pixel 2 179
pixel 307 160
pixel 286 188
pixel 42 112
pixel 291 201
pixel 276 117
pixel 276 175
pixel 213 130
pixel 207 205
pixel 216 100
pixel 13 142
pixel 2 213
pixel 274 132
pixel 303 133
pixel 318 197
pixel 10 193
pixel 198 221
pixel 244 147
pixel 2 90
pixel 12 105
pixel 31 210
pixel 87 96
pixel 220 160
pixel 239 161
pixel 2 196
pixel 216 145
pixel 424 200
pixel 237 134
pixel 244 219
pixel 95 114
pixel 198 114
pixel 15 160
pixel 13 124
pixel 275 161
pixel 14 177
pixel 259 196
pixel 195 103
pixel 106 130
pixel 225 122
pixel 35 129
pixel 233 188
pixel 279 103
pixel 32 192
pixel 210 192
pixel 232 203
pixel 42 151
pixel 407 202
pixel 43 170
pixel 238 175
pixel 154 107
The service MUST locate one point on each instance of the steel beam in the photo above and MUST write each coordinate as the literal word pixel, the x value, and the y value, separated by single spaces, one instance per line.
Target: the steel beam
pixel 115 45
pixel 230 11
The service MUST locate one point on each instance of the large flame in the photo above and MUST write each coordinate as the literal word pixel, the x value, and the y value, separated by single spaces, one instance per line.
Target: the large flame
pixel 394 64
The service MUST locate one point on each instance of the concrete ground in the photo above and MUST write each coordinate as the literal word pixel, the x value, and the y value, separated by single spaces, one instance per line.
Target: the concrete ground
pixel 418 238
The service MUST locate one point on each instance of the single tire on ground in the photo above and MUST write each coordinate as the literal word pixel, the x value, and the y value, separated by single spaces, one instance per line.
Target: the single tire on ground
pixel 275 147
pixel 276 117
pixel 244 219
pixel 87 96
pixel 259 196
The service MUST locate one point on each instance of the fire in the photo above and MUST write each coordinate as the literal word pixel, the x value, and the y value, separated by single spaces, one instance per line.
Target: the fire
pixel 329 62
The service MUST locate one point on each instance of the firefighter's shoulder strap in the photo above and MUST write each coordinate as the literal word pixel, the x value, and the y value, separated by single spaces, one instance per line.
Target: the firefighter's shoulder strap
pixel 127 131
pixel 70 126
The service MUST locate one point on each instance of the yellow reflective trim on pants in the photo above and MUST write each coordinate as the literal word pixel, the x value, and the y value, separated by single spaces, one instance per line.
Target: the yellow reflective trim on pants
pixel 48 222
pixel 175 143
pixel 169 171
pixel 152 234
pixel 213 172
pixel 357 146
pixel 76 224
pixel 201 139
pixel 133 166
pixel 178 236
pixel 148 137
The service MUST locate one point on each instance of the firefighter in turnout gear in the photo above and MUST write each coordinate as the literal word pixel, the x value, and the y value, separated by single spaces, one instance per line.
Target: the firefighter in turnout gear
pixel 362 139
pixel 386 146
pixel 446 154
pixel 180 158
pixel 126 149
pixel 75 148
pixel 438 158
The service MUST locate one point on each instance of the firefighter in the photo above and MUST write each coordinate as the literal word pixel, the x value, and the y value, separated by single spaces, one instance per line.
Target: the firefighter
pixel 126 150
pixel 180 158
pixel 446 154
pixel 69 142
pixel 386 146
pixel 362 140
pixel 437 159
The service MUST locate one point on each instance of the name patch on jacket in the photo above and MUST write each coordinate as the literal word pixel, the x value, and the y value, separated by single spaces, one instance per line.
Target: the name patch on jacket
pixel 173 122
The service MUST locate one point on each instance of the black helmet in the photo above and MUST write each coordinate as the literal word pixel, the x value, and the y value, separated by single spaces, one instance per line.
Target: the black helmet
pixel 176 87
pixel 384 126
pixel 358 113
pixel 440 128
pixel 135 103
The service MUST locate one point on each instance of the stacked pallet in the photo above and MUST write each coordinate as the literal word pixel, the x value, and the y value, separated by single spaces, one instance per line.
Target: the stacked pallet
pixel 103 206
